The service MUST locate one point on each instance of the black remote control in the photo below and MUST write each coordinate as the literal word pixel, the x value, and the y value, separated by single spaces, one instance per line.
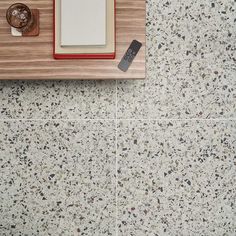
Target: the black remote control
pixel 129 56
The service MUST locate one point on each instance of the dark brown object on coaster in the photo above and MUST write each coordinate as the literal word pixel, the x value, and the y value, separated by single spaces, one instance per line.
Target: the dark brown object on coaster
pixel 34 31
pixel 19 16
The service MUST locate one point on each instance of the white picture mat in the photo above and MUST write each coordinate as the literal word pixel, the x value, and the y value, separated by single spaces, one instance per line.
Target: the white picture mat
pixel 83 22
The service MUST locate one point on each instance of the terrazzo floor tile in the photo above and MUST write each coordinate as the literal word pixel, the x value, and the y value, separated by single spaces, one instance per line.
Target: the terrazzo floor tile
pixel 13 182
pixel 191 67
pixel 176 178
pixel 66 182
pixel 57 99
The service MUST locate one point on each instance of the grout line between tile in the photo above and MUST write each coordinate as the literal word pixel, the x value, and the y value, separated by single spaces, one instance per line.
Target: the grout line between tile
pixel 171 119
pixel 58 119
pixel 117 119
pixel 116 168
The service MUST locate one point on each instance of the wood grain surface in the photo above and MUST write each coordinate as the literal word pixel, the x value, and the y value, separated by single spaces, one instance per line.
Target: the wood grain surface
pixel 32 57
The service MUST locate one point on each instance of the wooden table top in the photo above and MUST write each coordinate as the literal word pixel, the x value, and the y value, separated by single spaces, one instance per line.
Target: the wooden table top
pixel 32 57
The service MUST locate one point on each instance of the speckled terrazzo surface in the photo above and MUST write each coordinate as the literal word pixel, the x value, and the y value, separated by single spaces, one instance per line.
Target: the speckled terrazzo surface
pixel 176 178
pixel 130 158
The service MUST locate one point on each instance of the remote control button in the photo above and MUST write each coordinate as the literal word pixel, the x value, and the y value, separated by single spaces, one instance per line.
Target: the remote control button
pixel 130 59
